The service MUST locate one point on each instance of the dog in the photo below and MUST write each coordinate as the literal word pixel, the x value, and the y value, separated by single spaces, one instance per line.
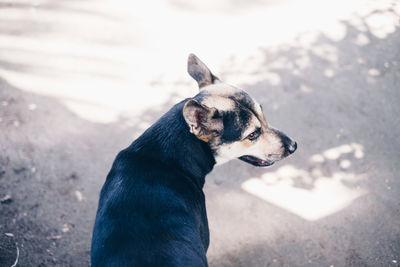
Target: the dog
pixel 151 210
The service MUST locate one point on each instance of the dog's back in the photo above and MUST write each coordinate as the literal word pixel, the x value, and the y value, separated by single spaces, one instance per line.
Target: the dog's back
pixel 152 209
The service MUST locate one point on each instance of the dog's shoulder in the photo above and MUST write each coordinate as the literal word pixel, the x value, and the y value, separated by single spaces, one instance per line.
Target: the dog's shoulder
pixel 146 205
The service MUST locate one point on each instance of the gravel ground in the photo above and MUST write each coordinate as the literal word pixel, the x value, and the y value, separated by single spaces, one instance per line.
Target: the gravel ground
pixel 335 202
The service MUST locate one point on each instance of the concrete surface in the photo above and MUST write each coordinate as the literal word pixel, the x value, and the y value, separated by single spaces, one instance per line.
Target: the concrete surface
pixel 79 80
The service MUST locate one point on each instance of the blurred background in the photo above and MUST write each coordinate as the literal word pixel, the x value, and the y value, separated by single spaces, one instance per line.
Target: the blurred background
pixel 80 80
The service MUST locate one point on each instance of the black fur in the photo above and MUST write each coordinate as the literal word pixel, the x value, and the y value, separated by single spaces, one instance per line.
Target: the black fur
pixel 152 209
pixel 232 131
pixel 234 123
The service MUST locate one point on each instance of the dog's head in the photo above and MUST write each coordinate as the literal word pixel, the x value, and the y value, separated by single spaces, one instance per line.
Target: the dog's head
pixel 232 122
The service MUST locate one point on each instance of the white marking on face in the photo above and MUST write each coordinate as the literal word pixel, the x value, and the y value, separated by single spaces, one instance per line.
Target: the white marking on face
pixel 258 108
pixel 218 102
pixel 268 146
pixel 219 160
pixel 228 152
pixel 221 89
pixel 273 139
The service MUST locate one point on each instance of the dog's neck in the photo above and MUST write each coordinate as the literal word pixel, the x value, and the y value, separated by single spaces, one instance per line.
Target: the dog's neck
pixel 170 141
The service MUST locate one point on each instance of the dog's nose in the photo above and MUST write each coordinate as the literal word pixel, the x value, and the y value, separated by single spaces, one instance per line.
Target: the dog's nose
pixel 292 147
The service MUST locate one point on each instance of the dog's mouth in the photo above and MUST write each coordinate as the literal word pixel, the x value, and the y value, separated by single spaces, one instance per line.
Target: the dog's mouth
pixel 256 161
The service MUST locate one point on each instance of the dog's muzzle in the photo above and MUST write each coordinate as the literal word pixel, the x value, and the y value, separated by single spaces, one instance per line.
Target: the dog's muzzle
pixel 292 147
pixel 256 161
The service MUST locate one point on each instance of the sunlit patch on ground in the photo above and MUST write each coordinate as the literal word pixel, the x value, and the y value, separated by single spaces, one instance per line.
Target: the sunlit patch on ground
pixel 81 79
pixel 114 57
pixel 313 194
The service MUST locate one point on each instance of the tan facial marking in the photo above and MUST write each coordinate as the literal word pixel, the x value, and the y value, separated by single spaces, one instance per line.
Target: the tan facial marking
pixel 218 102
pixel 254 124
pixel 221 89
pixel 217 96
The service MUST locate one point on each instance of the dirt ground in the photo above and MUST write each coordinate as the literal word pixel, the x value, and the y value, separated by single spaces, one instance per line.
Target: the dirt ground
pixel 67 107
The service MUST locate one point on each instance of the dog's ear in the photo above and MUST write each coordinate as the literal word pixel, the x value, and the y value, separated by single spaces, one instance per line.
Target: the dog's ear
pixel 203 121
pixel 199 71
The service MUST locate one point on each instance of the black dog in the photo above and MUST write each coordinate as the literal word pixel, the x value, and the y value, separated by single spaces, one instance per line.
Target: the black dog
pixel 152 208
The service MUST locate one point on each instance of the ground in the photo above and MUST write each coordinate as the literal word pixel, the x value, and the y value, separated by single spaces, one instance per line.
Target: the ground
pixel 80 80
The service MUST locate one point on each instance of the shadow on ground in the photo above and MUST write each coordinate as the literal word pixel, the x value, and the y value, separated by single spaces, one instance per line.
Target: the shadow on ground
pixel 52 165
pixel 338 99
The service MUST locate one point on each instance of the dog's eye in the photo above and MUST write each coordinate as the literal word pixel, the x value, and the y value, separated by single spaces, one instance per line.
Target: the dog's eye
pixel 254 135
